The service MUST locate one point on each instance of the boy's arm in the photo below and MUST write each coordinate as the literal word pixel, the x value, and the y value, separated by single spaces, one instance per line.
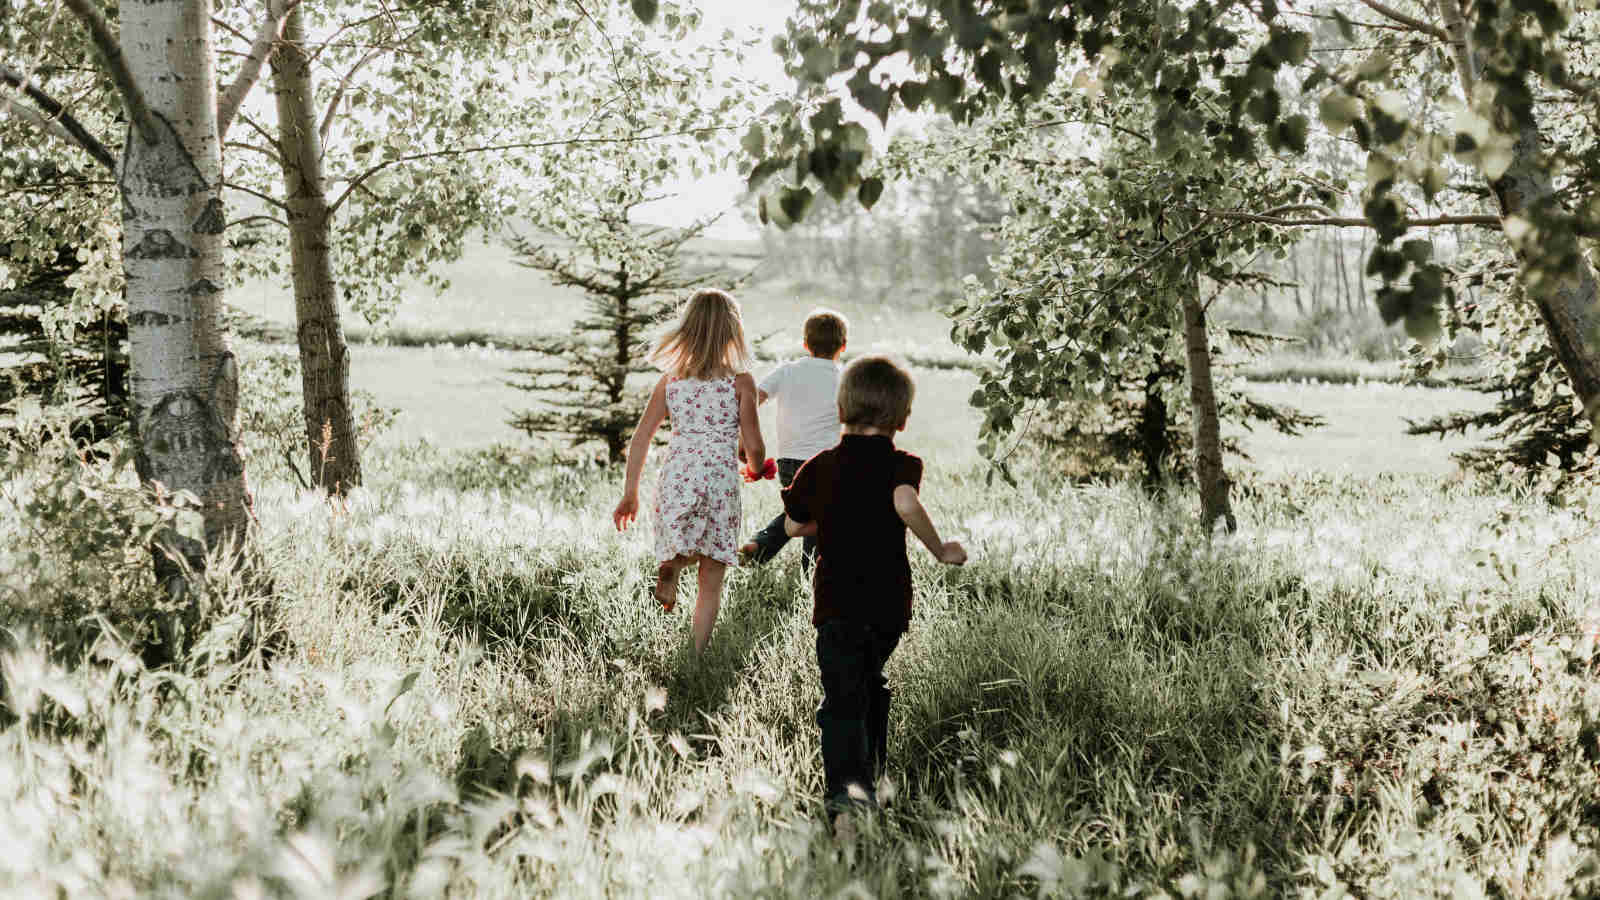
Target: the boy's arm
pixel 908 505
pixel 768 386
pixel 798 518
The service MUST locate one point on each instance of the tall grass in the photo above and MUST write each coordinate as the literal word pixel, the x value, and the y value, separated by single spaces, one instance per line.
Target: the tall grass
pixel 1385 687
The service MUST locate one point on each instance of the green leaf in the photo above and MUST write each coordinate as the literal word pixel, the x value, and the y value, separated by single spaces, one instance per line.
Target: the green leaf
pixel 1418 250
pixel 1292 133
pixel 912 93
pixel 645 10
pixel 1347 29
pixel 869 192
pixel 406 684
pixel 795 202
pixel 1338 109
pixel 754 142
pixel 1375 65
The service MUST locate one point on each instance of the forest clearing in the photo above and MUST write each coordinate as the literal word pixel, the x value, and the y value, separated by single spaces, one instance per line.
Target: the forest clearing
pixel 1246 357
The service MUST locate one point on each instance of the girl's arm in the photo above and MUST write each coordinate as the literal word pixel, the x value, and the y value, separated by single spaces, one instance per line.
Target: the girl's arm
pixel 654 412
pixel 755 451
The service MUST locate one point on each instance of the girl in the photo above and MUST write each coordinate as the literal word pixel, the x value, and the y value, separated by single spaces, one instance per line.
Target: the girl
pixel 711 398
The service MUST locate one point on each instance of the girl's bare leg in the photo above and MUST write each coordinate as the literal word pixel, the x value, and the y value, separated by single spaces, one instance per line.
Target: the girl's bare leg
pixel 709 601
pixel 667 581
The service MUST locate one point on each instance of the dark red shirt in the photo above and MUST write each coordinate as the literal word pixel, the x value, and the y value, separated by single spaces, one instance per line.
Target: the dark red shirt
pixel 862 573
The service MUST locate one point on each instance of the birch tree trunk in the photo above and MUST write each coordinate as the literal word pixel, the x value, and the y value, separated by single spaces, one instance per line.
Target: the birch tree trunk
pixel 1570 304
pixel 334 458
pixel 1208 473
pixel 185 382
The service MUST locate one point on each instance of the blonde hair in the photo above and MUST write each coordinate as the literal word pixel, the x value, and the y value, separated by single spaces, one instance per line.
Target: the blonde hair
pixel 825 332
pixel 707 341
pixel 875 391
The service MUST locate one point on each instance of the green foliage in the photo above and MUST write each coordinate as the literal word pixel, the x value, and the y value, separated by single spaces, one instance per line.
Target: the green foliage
pixel 634 281
pixel 1142 427
pixel 79 536
pixel 270 418
pixel 1537 429
pixel 1219 72
pixel 908 245
pixel 73 364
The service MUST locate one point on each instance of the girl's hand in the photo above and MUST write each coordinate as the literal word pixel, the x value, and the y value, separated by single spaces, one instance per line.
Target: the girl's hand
pixel 625 512
pixel 768 470
pixel 953 554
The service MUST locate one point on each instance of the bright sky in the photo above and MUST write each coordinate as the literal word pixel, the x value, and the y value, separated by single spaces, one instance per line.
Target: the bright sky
pixel 712 195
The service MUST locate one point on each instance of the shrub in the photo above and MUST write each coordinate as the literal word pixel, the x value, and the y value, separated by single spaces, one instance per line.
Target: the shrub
pixel 80 544
pixel 272 420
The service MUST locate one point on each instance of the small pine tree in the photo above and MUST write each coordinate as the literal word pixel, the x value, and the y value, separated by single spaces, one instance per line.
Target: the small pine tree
pixel 633 277
pixel 1535 428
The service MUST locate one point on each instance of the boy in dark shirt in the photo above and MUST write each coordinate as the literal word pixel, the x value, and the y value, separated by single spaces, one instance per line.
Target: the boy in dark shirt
pixel 858 498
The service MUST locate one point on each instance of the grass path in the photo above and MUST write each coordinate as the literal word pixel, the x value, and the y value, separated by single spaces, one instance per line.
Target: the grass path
pixel 1385 687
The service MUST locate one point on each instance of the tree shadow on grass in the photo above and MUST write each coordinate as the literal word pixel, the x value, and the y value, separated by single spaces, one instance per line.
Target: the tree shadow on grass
pixel 1130 711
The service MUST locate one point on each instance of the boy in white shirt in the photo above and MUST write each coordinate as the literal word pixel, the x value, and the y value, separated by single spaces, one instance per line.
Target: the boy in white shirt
pixel 807 395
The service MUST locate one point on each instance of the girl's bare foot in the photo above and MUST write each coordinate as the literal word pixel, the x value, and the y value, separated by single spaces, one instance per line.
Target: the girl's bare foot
pixel 667 586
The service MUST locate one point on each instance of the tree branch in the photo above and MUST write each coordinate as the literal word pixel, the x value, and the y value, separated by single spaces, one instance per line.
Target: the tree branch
pixel 257 194
pixel 264 151
pixel 530 145
pixel 260 50
pixel 54 119
pixel 338 95
pixel 258 218
pixel 1411 22
pixel 117 67
pixel 1278 217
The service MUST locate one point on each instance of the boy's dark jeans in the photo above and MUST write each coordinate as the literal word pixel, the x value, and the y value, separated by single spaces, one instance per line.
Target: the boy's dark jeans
pixel 854 715
pixel 772 538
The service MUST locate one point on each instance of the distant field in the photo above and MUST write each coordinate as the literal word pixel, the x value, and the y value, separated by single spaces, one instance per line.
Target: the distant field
pixel 491 294
pixel 458 396
pixel 1365 434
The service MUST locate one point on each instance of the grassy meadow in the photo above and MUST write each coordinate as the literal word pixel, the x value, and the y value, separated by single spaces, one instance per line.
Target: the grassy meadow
pixel 1383 685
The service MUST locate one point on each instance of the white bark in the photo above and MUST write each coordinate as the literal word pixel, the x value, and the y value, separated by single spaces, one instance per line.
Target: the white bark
pixel 185 380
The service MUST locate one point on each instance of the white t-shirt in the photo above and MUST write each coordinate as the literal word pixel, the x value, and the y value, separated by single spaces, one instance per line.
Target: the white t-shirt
pixel 806 394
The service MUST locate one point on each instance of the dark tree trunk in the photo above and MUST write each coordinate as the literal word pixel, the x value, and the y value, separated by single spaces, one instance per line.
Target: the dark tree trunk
pixel 333 454
pixel 1569 304
pixel 1154 442
pixel 1208 473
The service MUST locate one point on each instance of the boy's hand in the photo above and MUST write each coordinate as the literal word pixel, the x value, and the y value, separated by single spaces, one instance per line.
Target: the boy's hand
pixel 625 512
pixel 952 553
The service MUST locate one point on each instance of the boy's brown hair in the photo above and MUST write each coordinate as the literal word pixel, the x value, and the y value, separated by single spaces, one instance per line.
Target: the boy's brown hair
pixel 825 332
pixel 875 392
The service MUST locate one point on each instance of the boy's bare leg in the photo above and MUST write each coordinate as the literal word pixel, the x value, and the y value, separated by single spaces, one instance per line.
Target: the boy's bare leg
pixel 709 600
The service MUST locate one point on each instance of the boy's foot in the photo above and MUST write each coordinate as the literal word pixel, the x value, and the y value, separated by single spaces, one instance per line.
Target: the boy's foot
pixel 667 586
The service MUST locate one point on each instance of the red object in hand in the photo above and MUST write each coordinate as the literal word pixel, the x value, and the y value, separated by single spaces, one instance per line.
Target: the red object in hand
pixel 769 469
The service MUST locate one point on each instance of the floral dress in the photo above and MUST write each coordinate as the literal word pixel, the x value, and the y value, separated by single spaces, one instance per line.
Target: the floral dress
pixel 697 496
